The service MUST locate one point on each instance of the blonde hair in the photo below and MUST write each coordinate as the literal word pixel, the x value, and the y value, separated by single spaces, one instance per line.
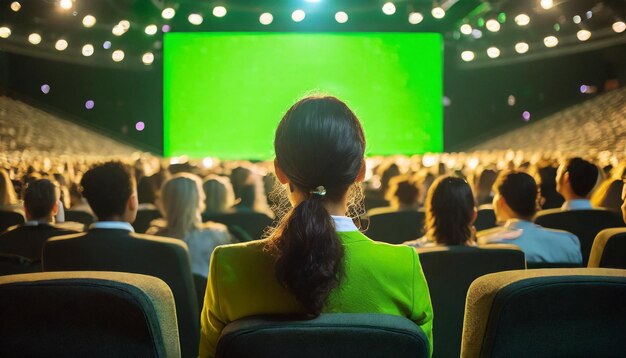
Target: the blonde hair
pixel 219 194
pixel 182 202
pixel 8 196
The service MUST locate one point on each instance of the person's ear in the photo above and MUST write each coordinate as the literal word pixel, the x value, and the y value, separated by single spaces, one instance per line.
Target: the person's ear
pixel 361 176
pixel 282 178
pixel 566 178
pixel 474 216
pixel 55 208
pixel 132 203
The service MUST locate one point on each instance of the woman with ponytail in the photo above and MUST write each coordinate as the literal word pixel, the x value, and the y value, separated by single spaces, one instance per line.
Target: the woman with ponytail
pixel 316 261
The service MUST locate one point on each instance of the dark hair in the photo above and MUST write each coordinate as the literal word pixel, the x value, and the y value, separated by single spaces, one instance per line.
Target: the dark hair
pixel 449 211
pixel 107 188
pixel 404 188
pixel 319 142
pixel 483 186
pixel 39 198
pixel 583 176
pixel 146 190
pixel 519 190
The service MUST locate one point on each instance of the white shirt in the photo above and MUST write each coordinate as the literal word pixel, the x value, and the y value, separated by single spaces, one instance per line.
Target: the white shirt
pixel 344 223
pixel 577 204
pixel 119 225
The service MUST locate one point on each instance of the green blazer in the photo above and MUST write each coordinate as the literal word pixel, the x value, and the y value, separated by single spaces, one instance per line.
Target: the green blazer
pixel 378 278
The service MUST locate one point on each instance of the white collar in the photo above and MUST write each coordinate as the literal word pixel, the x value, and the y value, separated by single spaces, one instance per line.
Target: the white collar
pixel 343 223
pixel 119 225
pixel 576 204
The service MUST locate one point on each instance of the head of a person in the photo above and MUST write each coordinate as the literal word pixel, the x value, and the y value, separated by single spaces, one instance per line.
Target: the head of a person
pixel 403 192
pixel 576 178
pixel 516 196
pixel 239 177
pixel 484 185
pixel 319 148
pixel 182 202
pixel 219 194
pixel 450 211
pixel 41 198
pixel 111 191
pixel 7 191
pixel 146 190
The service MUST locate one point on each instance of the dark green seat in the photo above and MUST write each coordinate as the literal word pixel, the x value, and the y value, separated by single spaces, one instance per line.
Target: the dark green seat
pixel 485 219
pixel 449 271
pixel 253 223
pixel 609 249
pixel 576 312
pixel 15 264
pixel 396 227
pixel 80 216
pixel 87 314
pixel 339 335
pixel 10 218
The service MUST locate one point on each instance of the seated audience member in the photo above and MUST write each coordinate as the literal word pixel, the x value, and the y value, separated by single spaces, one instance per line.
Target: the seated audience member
pixel 546 177
pixel 575 180
pixel 484 184
pixel 515 203
pixel 77 201
pixel 450 214
pixel 8 197
pixel 403 194
pixel 608 195
pixel 146 193
pixel 316 260
pixel 252 198
pixel 219 195
pixel 41 204
pixel 181 204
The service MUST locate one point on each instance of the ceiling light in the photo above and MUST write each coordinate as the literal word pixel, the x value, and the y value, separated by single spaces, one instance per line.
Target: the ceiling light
pixel 493 52
pixel 466 29
pixel 438 13
pixel 619 26
pixel 89 21
pixel 583 35
pixel 298 15
pixel 118 55
pixel 415 18
pixel 389 8
pixel 521 47
pixel 87 50
pixel 151 29
pixel 467 56
pixel 34 38
pixel 550 41
pixel 60 45
pixel 65 4
pixel 341 17
pixel 547 4
pixel 168 13
pixel 266 18
pixel 219 11
pixel 195 19
pixel 522 20
pixel 493 25
pixel 5 32
pixel 16 6
pixel 147 58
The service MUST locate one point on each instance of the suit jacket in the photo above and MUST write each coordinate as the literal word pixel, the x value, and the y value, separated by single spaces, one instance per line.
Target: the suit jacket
pixel 27 240
pixel 125 251
pixel 378 278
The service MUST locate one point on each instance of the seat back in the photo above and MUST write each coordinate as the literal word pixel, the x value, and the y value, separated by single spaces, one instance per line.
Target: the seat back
pixel 144 218
pixel 609 249
pixel 546 313
pixel 86 314
pixel 79 216
pixel 449 272
pixel 485 219
pixel 329 336
pixel 15 264
pixel 10 218
pixel 253 223
pixel 585 224
pixel 396 227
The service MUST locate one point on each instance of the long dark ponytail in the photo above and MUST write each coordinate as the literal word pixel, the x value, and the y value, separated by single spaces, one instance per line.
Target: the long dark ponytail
pixel 319 147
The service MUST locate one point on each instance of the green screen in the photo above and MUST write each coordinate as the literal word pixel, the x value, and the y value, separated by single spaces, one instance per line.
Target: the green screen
pixel 224 93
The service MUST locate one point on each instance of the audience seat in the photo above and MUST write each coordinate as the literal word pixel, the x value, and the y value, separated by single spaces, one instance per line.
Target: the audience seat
pixel 144 218
pixel 14 264
pixel 338 335
pixel 449 272
pixel 253 223
pixel 396 227
pixel 485 219
pixel 585 224
pixel 609 249
pixel 10 218
pixel 546 313
pixel 87 314
pixel 79 216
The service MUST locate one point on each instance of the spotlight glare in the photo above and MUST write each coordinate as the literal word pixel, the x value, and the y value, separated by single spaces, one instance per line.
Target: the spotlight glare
pixel 583 35
pixel 219 11
pixel 151 29
pixel 147 58
pixel 389 8
pixel 168 13
pixel 341 17
pixel 118 55
pixel 60 45
pixel 5 32
pixel 266 18
pixel 89 21
pixel 87 50
pixel 298 15
pixel 493 52
pixel 438 13
pixel 522 20
pixel 619 26
pixel 34 38
pixel 195 19
pixel 550 41
pixel 493 25
pixel 521 47
pixel 415 18
pixel 467 56
pixel 16 6
pixel 466 29
pixel 65 4
pixel 547 4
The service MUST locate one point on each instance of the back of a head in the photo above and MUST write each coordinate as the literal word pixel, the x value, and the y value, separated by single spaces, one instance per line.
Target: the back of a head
pixel 450 211
pixel 218 194
pixel 239 177
pixel 583 176
pixel 7 191
pixel 146 190
pixel 319 143
pixel 484 184
pixel 39 199
pixel 181 203
pixel 107 188
pixel 519 190
pixel 404 190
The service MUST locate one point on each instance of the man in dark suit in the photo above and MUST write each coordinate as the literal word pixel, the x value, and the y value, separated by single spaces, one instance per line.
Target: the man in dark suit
pixel 111 244
pixel 41 204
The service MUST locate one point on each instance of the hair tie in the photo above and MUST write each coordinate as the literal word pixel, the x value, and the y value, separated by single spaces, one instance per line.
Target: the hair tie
pixel 320 190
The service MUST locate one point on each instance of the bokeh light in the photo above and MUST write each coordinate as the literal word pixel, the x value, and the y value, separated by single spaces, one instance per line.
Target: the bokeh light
pixel 438 13
pixel 466 29
pixel 140 126
pixel 106 45
pixel 550 41
pixel 66 4
pixel 493 25
pixel 147 58
pixel 45 88
pixel 522 20
pixel 521 47
pixel 583 35
pixel 89 104
pixel 168 13
pixel 219 11
pixel 266 18
pixel 298 15
pixel 87 50
pixel 34 38
pixel 341 17
pixel 389 8
pixel 89 21
pixel 5 32
pixel 467 56
pixel 619 26
pixel 61 45
pixel 493 52
pixel 526 116
pixel 547 4
pixel 415 18
pixel 151 29
pixel 117 55
pixel 16 6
